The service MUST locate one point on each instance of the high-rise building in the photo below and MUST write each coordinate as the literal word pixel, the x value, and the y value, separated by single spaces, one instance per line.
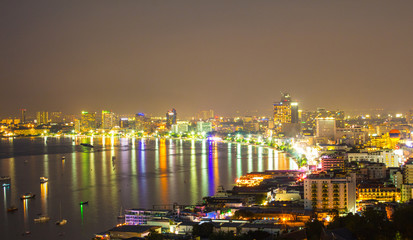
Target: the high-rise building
pixel 206 114
pixel 409 117
pixel 408 172
pixel 203 127
pixel 180 127
pixel 42 118
pixel 140 122
pixel 108 119
pixel 23 116
pixel 285 111
pixel 170 117
pixel 326 192
pixel 326 128
pixel 88 121
pixel 56 117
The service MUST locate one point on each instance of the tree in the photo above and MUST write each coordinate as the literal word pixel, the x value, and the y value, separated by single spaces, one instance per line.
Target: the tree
pixel 155 236
pixel 403 221
pixel 314 229
pixel 243 213
pixel 372 224
pixel 203 230
pixel 222 235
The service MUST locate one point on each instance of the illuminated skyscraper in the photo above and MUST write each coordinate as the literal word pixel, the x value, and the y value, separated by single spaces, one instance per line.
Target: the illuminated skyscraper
pixel 409 117
pixel 326 128
pixel 205 115
pixel 108 120
pixel 285 111
pixel 170 117
pixel 42 118
pixel 140 121
pixel 56 117
pixel 87 121
pixel 23 116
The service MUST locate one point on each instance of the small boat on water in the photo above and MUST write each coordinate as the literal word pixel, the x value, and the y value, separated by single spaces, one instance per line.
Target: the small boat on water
pixel 61 222
pixel 5 179
pixel 63 158
pixel 44 179
pixel 84 203
pixel 12 209
pixel 42 219
pixel 86 145
pixel 121 214
pixel 27 196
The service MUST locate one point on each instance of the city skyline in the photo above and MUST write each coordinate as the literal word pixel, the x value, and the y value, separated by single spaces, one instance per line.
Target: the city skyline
pixel 233 56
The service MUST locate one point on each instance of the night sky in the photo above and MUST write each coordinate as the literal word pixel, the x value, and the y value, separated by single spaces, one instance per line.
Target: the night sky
pixel 150 56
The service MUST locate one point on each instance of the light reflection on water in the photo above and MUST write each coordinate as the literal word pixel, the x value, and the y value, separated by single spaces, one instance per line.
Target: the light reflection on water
pixel 144 172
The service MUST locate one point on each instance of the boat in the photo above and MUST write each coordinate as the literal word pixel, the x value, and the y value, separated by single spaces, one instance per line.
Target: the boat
pixel 62 221
pixel 63 158
pixel 121 214
pixel 5 179
pixel 43 179
pixel 27 196
pixel 12 209
pixel 42 219
pixel 84 203
pixel 86 145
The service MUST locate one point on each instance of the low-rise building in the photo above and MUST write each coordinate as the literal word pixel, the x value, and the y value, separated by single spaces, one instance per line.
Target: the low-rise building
pixel 326 192
pixel 373 171
pixel 329 164
pixel 388 157
pixel 130 231
pixel 406 192
pixel 142 216
pixel 377 192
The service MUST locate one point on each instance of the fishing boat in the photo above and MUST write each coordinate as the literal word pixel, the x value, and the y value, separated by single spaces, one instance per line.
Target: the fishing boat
pixel 12 209
pixel 121 214
pixel 27 196
pixel 86 145
pixel 42 219
pixel 84 203
pixel 5 179
pixel 62 221
pixel 63 158
pixel 43 179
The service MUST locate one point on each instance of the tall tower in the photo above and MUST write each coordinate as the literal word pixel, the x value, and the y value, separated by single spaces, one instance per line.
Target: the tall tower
pixel 23 116
pixel 87 121
pixel 170 117
pixel 108 119
pixel 285 111
pixel 42 118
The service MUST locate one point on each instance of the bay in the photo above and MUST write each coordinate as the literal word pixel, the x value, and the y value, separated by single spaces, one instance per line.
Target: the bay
pixel 127 172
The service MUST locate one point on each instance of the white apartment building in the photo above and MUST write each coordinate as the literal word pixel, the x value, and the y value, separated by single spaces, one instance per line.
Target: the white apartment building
pixel 203 127
pixel 324 192
pixel 388 157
